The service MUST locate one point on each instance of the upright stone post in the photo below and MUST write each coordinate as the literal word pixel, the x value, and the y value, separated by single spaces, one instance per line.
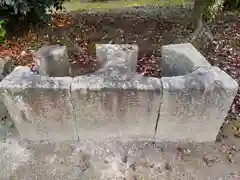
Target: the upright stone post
pixel 52 61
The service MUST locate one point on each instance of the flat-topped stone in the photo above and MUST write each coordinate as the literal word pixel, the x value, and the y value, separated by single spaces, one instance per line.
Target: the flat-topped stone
pixel 194 106
pixel 40 106
pixel 52 61
pixel 118 54
pixel 6 120
pixel 181 59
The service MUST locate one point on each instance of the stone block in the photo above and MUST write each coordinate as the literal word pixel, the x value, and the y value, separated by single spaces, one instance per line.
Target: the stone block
pixel 115 101
pixel 52 61
pixel 2 63
pixel 181 59
pixel 40 106
pixel 194 106
pixel 6 120
pixel 125 54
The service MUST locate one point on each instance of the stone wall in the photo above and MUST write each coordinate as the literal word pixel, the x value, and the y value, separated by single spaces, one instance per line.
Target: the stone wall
pixel 189 103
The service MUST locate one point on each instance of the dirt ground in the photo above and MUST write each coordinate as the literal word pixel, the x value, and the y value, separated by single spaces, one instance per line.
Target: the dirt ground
pixel 119 160
pixel 150 29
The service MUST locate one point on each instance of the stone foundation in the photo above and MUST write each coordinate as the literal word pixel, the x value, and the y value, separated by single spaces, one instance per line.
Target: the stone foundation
pixel 189 103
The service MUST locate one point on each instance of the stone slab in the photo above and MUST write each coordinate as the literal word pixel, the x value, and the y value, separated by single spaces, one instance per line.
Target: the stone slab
pixel 39 105
pixel 6 120
pixel 109 111
pixel 194 106
pixel 115 100
pixel 181 59
pixel 125 54
pixel 52 61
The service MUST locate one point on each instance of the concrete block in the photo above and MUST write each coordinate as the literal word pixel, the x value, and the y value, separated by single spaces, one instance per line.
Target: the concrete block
pixel 39 105
pixel 52 61
pixel 181 59
pixel 115 101
pixel 194 106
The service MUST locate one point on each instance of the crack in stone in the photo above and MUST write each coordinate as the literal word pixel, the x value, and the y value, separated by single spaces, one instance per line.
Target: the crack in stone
pixel 159 109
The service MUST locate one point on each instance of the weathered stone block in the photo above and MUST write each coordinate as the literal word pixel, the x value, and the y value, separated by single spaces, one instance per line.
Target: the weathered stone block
pixel 40 106
pixel 115 100
pixel 6 120
pixel 181 59
pixel 126 54
pixel 194 106
pixel 52 61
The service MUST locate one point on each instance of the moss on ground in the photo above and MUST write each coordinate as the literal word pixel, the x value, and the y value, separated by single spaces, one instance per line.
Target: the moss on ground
pixel 76 5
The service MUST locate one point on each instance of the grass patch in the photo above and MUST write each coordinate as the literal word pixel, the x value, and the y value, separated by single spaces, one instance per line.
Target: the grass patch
pixel 76 5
